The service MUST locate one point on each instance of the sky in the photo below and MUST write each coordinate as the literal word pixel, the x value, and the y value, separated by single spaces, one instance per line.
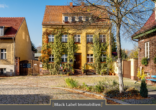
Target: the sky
pixel 33 11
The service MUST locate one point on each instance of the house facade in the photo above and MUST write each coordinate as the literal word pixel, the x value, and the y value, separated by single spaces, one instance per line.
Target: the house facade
pixel 63 17
pixel 15 44
pixel 146 38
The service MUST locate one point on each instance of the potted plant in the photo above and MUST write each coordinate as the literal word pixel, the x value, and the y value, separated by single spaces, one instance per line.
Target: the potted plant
pixel 68 73
pixel 144 61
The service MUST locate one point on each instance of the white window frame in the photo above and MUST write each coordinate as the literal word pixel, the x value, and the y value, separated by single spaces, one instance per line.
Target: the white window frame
pixel 89 56
pixel 103 56
pixel 64 37
pixel 77 37
pixel 147 50
pixel 72 18
pixel 65 18
pixel 64 57
pixel 103 37
pixel 51 57
pixel 89 36
pixel 1 30
pixel 3 70
pixel 81 19
pixel 50 38
pixel 3 53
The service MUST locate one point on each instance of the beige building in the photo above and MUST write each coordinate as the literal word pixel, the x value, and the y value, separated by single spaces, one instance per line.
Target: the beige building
pixel 15 43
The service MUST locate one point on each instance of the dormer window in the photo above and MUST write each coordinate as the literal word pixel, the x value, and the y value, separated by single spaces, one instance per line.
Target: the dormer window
pixel 1 31
pixel 73 19
pixel 66 19
pixel 80 18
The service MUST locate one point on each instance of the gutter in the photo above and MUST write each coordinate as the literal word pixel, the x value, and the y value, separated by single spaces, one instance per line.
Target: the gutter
pixel 143 34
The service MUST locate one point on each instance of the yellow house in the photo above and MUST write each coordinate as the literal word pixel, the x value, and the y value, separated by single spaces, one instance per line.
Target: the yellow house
pixel 15 43
pixel 62 17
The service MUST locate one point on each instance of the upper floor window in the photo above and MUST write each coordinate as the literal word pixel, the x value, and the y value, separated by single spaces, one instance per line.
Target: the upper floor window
pixel 64 38
pixel 89 38
pixel 51 58
pixel 51 38
pixel 64 58
pixel 73 19
pixel 66 19
pixel 103 58
pixel 102 38
pixel 147 50
pixel 1 31
pixel 80 18
pixel 89 57
pixel 3 53
pixel 77 38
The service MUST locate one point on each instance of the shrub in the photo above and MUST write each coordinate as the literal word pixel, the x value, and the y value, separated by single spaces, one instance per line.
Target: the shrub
pixel 115 83
pixel 143 89
pixel 99 87
pixel 144 61
pixel 71 83
pixel 103 72
pixel 141 75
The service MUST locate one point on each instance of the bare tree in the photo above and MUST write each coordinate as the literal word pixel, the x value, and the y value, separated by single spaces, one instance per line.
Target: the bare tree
pixel 126 17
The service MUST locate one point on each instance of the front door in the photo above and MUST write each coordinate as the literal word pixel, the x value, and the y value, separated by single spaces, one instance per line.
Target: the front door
pixel 77 61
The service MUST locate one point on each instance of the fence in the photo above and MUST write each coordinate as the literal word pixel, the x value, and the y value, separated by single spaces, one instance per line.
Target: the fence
pixel 129 68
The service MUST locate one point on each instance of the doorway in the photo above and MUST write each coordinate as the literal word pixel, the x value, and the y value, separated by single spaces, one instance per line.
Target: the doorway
pixel 77 61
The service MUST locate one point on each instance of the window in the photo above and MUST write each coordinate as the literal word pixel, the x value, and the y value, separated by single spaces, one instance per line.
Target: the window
pixel 102 38
pixel 89 57
pixel 80 18
pixel 77 38
pixel 66 19
pixel 147 50
pixel 3 53
pixel 64 38
pixel 73 19
pixel 64 58
pixel 103 58
pixel 1 31
pixel 51 58
pixel 51 38
pixel 2 70
pixel 89 38
pixel 87 18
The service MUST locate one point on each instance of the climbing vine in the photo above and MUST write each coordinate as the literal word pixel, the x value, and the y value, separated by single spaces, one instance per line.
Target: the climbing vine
pixel 98 49
pixel 57 49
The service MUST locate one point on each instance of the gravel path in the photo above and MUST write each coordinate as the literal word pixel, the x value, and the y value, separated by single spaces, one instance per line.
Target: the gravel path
pixel 12 94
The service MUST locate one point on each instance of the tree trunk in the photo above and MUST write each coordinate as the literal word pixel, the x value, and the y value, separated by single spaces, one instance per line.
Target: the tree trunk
pixel 120 75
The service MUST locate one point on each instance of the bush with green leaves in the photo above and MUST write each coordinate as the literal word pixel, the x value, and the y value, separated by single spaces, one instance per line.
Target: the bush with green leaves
pixel 71 83
pixel 103 71
pixel 143 88
pixel 99 87
pixel 144 61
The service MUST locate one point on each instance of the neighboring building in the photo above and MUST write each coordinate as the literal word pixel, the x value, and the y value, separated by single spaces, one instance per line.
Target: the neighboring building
pixel 37 55
pixel 15 44
pixel 63 17
pixel 146 38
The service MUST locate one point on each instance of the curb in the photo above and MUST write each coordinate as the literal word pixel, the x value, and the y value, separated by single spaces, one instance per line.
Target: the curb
pixel 93 94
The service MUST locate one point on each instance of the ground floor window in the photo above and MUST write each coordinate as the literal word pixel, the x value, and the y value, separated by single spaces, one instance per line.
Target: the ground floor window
pixel 103 58
pixel 3 53
pixel 64 58
pixel 2 70
pixel 51 58
pixel 89 57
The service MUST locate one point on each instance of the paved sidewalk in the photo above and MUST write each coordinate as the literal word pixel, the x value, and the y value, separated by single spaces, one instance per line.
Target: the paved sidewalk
pixel 12 94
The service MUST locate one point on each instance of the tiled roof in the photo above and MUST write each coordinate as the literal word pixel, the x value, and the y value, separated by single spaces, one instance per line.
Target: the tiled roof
pixel 53 14
pixel 12 25
pixel 150 24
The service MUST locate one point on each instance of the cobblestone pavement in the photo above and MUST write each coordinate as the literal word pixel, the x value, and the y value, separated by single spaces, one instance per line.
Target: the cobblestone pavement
pixel 13 94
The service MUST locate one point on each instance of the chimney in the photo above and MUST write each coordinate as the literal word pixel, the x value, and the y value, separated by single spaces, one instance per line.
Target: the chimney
pixel 71 4
pixel 82 4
